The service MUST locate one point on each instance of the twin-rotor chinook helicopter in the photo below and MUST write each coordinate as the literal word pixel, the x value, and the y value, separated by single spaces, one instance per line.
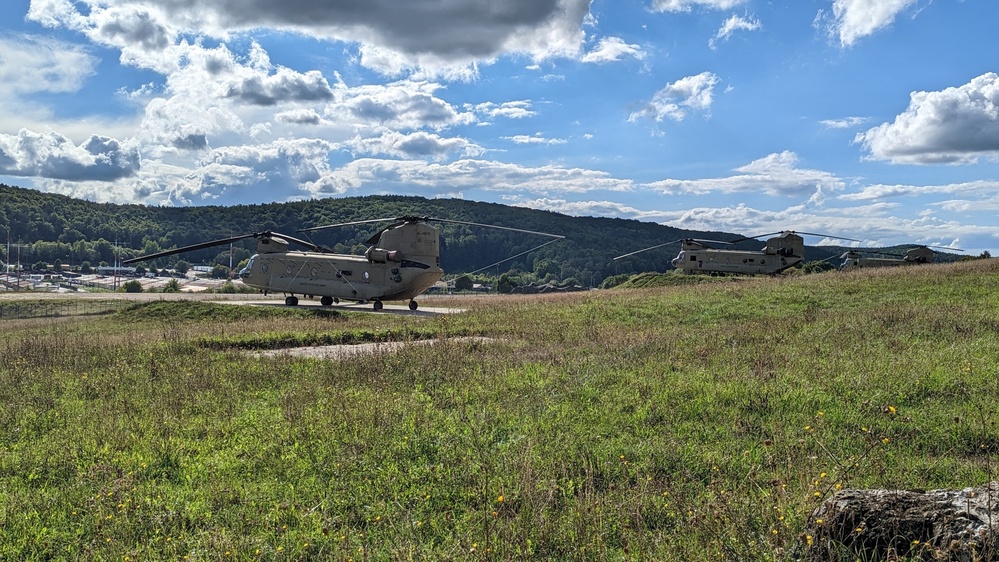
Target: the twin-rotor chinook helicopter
pixel 858 258
pixel 402 262
pixel 783 250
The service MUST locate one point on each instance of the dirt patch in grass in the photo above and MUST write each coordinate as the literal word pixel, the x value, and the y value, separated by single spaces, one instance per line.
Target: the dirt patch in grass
pixel 337 352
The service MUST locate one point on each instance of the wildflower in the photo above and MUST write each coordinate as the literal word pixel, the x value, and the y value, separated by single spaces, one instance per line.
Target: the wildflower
pixel 808 539
pixel 884 440
pixel 891 410
pixel 818 521
pixel 500 498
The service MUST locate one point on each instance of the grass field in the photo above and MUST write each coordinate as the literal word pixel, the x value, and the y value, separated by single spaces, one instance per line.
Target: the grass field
pixel 693 422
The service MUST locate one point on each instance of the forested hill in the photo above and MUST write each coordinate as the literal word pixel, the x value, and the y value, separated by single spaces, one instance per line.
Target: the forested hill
pixel 55 227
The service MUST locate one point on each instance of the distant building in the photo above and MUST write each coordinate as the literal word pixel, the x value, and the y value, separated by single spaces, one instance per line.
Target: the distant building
pixel 115 270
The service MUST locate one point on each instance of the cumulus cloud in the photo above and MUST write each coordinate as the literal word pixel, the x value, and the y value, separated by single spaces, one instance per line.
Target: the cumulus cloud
pixel 518 109
pixel 612 49
pixel 675 100
pixel 731 25
pixel 775 174
pixel 414 145
pixel 52 155
pixel 438 179
pixel 956 125
pixel 400 105
pixel 856 19
pixel 392 34
pixel 687 5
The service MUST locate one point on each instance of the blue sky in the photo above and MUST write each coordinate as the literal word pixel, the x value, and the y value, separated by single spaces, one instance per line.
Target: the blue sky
pixel 870 119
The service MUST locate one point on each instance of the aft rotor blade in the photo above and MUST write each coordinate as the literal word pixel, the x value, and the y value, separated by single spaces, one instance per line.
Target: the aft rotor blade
pixel 498 227
pixel 827 236
pixel 351 223
pixel 650 248
pixel 792 232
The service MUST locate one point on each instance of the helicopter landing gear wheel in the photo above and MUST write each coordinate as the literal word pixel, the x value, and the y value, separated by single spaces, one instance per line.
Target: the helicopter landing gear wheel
pixel 291 301
pixel 378 305
pixel 326 301
pixel 413 305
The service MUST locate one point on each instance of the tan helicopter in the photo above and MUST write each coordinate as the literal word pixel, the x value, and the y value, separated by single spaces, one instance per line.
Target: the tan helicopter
pixel 857 258
pixel 783 250
pixel 402 262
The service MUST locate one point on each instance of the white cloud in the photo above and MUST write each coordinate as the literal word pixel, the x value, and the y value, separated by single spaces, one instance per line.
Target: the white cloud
pixel 612 49
pixel 844 123
pixel 855 19
pixel 518 109
pixel 31 64
pixel 693 93
pixel 400 105
pixel 686 5
pixel 414 145
pixel 536 138
pixel 733 24
pixel 433 179
pixel 956 125
pixel 776 174
pixel 52 155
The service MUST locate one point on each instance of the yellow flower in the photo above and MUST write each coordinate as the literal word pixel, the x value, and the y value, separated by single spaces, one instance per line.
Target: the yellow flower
pixel 808 539
pixel 500 498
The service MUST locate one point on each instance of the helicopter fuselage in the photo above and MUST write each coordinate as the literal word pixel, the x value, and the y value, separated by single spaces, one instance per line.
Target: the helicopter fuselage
pixel 853 259
pixel 339 276
pixel 780 253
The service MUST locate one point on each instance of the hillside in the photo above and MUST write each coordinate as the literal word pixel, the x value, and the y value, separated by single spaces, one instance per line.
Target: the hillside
pixel 56 227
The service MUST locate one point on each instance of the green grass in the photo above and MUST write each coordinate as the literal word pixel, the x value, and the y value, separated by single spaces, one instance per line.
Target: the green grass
pixel 694 422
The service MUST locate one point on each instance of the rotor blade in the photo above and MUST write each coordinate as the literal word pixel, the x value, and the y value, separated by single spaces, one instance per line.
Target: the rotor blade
pixel 369 221
pixel 190 248
pixel 650 248
pixel 743 239
pixel 497 227
pixel 516 256
pixel 202 245
pixel 793 232
pixel 944 248
pixel 827 236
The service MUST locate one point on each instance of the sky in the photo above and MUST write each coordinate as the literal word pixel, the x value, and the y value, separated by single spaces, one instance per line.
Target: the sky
pixel 876 120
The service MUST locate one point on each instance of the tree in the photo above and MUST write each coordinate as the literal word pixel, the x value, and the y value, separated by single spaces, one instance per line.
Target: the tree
pixel 463 283
pixel 220 272
pixel 505 284
pixel 172 286
pixel 182 267
pixel 132 286
pixel 85 268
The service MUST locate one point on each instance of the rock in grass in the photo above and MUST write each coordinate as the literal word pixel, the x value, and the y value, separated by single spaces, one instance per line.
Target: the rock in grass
pixel 958 525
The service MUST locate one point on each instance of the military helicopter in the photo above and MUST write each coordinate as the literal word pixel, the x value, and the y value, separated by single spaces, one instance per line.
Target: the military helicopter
pixel 856 258
pixel 402 262
pixel 782 250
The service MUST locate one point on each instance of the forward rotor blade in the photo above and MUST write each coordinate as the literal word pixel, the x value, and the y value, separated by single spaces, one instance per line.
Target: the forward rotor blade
pixel 650 248
pixel 202 245
pixel 190 248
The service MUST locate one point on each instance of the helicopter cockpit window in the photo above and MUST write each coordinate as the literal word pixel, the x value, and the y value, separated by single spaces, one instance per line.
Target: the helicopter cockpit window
pixel 245 272
pixel 365 275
